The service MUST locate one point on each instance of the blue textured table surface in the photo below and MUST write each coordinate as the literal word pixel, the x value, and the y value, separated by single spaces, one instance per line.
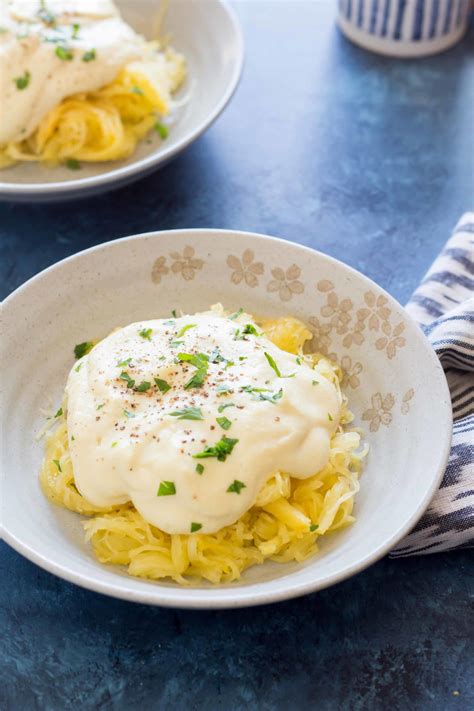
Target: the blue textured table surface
pixel 369 160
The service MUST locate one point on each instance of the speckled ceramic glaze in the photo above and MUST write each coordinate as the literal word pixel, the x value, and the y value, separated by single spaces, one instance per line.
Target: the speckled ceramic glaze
pixel 209 36
pixel 394 381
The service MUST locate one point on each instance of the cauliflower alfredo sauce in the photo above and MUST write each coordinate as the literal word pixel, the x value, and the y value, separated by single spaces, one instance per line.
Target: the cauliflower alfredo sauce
pixel 203 444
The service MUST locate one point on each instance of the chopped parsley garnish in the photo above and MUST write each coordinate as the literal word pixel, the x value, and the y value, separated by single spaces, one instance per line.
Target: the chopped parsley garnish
pixel 166 488
pixel 128 414
pixel 248 329
pixel 220 450
pixel 22 82
pixel 315 382
pixel 200 362
pixel 263 394
pixel 224 423
pixel 298 360
pixel 114 444
pixel 72 438
pixel 188 413
pixel 242 357
pixel 330 417
pixel 99 407
pixel 78 367
pixel 313 527
pixel 89 55
pixel 56 461
pixel 146 333
pixel 75 30
pixel 186 328
pixel 199 468
pixel 143 387
pixel 221 408
pixel 163 386
pixel 272 364
pixel 236 487
pixel 195 527
pixel 125 376
pixel 223 390
pixel 174 344
pixel 73 164
pixel 46 15
pixel 162 130
pixel 236 314
pixel 59 412
pixel 137 90
pixel 124 363
pixel 174 313
pixel 82 348
pixel 64 54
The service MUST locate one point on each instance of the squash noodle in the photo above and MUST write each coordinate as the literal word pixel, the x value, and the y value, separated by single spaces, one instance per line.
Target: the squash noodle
pixel 284 524
pixel 107 124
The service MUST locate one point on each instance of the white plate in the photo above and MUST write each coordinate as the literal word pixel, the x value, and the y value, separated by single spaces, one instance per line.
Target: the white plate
pixel 395 383
pixel 209 36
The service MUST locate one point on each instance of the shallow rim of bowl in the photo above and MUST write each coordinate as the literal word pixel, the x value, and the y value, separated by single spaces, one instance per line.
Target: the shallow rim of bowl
pixel 227 596
pixel 139 168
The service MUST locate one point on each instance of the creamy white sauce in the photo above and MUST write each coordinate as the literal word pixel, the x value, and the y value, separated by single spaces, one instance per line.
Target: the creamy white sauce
pixel 119 458
pixel 31 32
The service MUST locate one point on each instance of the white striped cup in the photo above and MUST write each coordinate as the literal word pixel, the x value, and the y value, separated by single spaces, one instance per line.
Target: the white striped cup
pixel 404 28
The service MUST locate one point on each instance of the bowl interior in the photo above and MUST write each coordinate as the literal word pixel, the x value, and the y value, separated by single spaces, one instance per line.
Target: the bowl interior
pixel 208 36
pixel 393 379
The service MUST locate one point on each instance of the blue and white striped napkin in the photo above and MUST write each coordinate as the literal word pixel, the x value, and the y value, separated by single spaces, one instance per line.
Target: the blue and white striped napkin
pixel 443 305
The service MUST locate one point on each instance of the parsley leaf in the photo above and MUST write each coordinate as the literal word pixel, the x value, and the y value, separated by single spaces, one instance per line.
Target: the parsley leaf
pixel 143 387
pixel 59 412
pixel 89 56
pixel 201 362
pixel 236 314
pixel 125 376
pixel 315 382
pixel 163 386
pixel 330 417
pixel 220 450
pixel 272 364
pixel 64 54
pixel 221 408
pixel 73 164
pixel 224 423
pixel 129 414
pixel 56 461
pixel 163 132
pixel 263 394
pixel 313 527
pixel 188 413
pixel 82 348
pixel 195 527
pixel 146 333
pixel 75 30
pixel 236 487
pixel 248 329
pixel 137 90
pixel 199 468
pixel 185 328
pixel 124 363
pixel 166 488
pixel 22 82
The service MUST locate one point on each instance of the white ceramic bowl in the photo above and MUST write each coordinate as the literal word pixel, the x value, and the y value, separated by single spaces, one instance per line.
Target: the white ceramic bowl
pixel 209 36
pixel 393 377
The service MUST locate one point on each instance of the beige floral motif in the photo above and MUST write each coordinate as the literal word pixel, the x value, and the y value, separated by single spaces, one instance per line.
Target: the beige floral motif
pixel 321 342
pixel 391 340
pixel 286 282
pixel 159 269
pixel 245 268
pixel 325 285
pixel 405 408
pixel 350 373
pixel 356 336
pixel 379 413
pixel 338 311
pixel 375 311
pixel 186 264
